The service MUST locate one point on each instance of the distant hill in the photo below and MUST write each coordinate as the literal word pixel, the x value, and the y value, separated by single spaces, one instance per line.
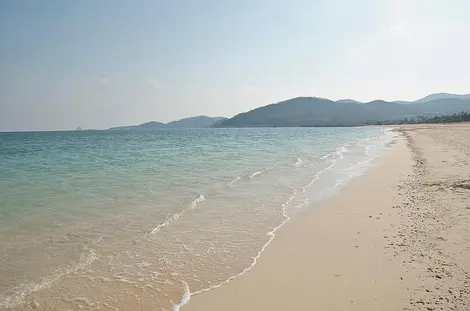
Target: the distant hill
pixel 425 99
pixel 193 122
pixel 218 123
pixel 402 102
pixel 311 111
pixel 144 126
pixel 442 96
pixel 348 101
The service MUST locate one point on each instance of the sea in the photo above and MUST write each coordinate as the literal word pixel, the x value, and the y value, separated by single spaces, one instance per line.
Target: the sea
pixel 145 220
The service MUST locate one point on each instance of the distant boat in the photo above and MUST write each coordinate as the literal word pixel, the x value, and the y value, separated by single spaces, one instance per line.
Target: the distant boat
pixel 79 129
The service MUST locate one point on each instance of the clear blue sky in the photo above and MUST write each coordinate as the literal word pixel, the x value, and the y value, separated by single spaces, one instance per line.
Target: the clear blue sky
pixel 96 64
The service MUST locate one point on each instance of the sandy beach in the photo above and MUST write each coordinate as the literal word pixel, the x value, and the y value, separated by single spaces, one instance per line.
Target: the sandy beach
pixel 397 238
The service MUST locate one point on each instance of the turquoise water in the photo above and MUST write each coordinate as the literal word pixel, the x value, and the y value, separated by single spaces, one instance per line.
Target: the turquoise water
pixel 133 220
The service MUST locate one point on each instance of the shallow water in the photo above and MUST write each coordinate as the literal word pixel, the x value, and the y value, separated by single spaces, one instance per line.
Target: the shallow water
pixel 132 220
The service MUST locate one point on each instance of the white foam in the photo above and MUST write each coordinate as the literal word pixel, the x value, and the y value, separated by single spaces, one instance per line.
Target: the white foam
pixel 174 217
pixel 230 184
pixel 196 201
pixel 254 174
pixel 257 173
pixel 338 153
pixel 316 177
pixel 325 156
pixel 184 298
pixel 341 151
pixel 298 162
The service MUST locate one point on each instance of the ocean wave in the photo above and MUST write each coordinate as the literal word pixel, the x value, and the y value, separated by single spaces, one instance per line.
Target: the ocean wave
pixel 230 184
pixel 196 201
pixel 252 175
pixel 174 217
pixel 387 137
pixel 20 292
pixel 246 176
pixel 184 298
pixel 317 175
pixel 187 292
pixel 337 153
pixel 367 144
pixel 334 157
pixel 298 162
pixel 341 151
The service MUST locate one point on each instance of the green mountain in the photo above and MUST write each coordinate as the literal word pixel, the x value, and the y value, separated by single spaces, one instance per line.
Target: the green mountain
pixel 311 111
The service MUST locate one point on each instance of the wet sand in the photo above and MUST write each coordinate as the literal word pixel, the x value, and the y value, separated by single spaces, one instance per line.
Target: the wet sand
pixel 397 238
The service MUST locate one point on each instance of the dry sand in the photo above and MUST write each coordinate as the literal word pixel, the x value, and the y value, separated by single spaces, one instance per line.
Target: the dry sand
pixel 397 238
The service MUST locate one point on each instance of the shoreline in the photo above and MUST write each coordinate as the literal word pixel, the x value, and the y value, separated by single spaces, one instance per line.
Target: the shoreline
pixel 187 294
pixel 274 250
pixel 350 252
pixel 288 221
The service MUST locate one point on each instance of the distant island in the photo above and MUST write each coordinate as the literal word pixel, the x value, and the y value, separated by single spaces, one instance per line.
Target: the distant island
pixel 192 122
pixel 317 112
pixel 195 122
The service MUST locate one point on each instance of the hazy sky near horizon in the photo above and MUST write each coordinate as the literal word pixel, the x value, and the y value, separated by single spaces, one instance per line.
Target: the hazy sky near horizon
pixel 96 64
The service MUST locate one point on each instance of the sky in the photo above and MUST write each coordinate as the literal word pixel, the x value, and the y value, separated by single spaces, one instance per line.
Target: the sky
pixel 96 64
